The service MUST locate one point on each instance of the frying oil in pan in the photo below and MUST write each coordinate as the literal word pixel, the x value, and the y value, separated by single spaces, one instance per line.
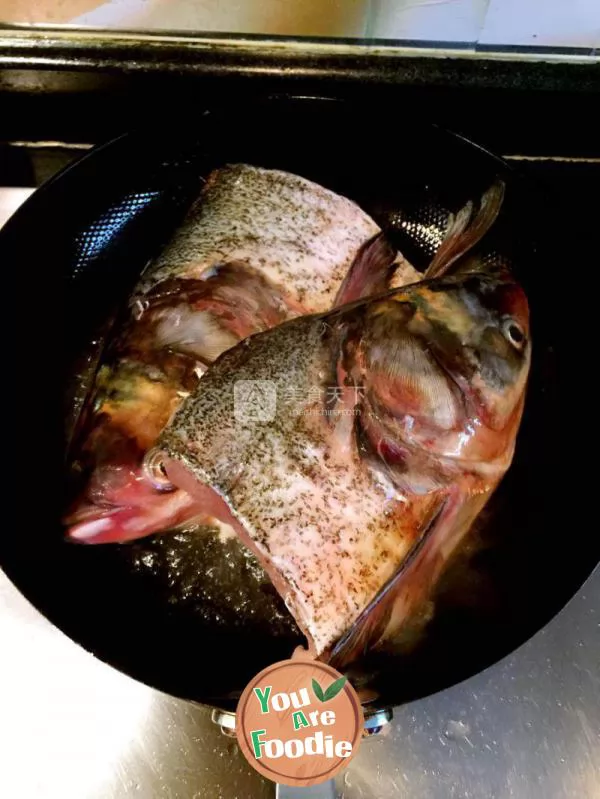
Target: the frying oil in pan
pixel 208 572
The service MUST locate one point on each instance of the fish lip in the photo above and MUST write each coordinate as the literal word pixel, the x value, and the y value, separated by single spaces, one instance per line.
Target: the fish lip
pixel 90 530
pixel 91 512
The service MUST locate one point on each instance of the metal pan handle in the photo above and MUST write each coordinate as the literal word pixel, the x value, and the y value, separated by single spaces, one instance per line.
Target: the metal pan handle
pixel 326 790
pixel 375 722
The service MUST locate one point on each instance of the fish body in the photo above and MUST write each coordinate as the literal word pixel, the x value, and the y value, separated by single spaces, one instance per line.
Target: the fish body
pixel 257 248
pixel 351 450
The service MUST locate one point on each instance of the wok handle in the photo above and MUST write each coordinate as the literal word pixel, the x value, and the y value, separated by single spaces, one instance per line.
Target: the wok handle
pixel 374 723
pixel 326 790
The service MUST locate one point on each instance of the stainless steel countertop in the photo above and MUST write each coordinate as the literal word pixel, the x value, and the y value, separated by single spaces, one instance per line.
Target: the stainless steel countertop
pixel 73 728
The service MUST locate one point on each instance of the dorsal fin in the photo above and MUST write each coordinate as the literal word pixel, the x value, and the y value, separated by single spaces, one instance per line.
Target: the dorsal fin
pixel 465 230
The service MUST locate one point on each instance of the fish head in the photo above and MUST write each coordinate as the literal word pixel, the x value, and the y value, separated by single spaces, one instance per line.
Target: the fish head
pixel 444 365
pixel 171 335
pixel 110 480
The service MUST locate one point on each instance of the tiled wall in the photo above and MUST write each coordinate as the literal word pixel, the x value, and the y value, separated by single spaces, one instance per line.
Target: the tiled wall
pixel 562 23
pixel 429 20
pixel 554 23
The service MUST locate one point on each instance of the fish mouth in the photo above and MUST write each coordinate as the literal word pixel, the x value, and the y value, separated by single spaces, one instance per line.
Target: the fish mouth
pixel 137 507
pixel 91 526
pixel 92 523
pixel 89 512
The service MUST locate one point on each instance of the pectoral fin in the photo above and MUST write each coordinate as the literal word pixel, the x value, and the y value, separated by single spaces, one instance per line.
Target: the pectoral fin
pixel 370 271
pixel 405 591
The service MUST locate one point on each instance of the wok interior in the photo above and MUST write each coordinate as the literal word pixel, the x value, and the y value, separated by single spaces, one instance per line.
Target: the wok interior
pixel 168 610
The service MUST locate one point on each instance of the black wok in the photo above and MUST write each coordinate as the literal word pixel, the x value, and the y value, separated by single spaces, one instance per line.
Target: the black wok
pixel 76 249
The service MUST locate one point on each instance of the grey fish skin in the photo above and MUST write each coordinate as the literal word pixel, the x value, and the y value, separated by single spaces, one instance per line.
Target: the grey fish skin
pixel 374 577
pixel 297 234
pixel 353 506
pixel 258 247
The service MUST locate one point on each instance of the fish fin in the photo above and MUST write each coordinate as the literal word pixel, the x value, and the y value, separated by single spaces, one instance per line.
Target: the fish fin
pixel 464 230
pixel 406 590
pixel 370 626
pixel 370 271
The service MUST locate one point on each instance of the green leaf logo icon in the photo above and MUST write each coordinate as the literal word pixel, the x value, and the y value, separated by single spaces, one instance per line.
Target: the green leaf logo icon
pixel 318 691
pixel 331 692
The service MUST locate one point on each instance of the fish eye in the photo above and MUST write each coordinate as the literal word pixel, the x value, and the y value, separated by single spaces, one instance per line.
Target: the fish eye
pixel 154 471
pixel 514 333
